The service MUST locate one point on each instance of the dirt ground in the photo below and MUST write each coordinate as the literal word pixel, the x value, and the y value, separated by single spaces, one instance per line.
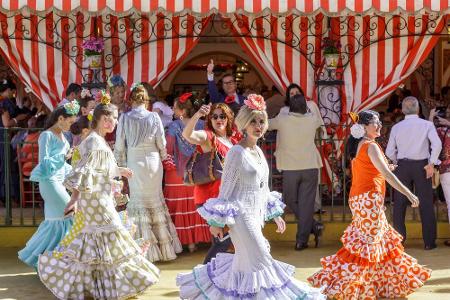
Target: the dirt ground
pixel 17 281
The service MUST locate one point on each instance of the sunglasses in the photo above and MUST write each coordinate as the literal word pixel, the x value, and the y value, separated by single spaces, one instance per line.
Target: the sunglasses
pixel 216 117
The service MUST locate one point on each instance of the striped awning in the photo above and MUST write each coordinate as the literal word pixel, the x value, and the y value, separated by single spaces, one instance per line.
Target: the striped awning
pixel 205 7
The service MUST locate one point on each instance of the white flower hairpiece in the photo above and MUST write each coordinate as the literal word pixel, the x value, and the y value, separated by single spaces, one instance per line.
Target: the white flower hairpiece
pixel 85 93
pixel 357 131
pixel 135 85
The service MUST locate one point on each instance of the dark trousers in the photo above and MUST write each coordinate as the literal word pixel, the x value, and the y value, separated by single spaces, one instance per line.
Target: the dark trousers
pixel 412 174
pixel 299 193
pixel 217 247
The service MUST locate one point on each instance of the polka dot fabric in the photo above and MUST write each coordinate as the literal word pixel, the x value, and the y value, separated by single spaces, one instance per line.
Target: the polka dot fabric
pixel 99 258
pixel 372 263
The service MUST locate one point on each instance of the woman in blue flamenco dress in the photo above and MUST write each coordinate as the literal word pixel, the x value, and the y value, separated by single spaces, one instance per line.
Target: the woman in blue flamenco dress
pixel 50 173
pixel 244 204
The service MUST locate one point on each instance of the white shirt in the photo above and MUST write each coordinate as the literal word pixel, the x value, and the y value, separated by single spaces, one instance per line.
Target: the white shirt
pixel 412 138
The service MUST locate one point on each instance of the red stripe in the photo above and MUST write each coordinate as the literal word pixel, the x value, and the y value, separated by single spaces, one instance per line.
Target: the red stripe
pixel 130 55
pixel 101 4
pixel 395 44
pixel 205 6
pixel 223 6
pixel 35 58
pixel 50 56
pixel 145 48
pixel 290 4
pixel 288 48
pixel 160 46
pixel 342 4
pixel 67 5
pixel 119 6
pixel 381 55
pixel 115 45
pixel 376 4
pixel 137 4
pixel 274 6
pixel 325 4
pixel 351 45
pixel 154 4
pixel 256 5
pixel 79 41
pixel 14 5
pixel 308 6
pixel 410 5
pixel 365 60
pixel 427 3
pixel 239 4
pixel 84 4
pixel 303 50
pixel 32 4
pixel 187 4
pixel 274 46
pixel 64 56
pixel 392 5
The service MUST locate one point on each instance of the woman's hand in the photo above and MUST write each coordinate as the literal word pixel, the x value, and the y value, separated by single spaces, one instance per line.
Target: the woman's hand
pixel 281 224
pixel 69 154
pixel 413 199
pixel 125 172
pixel 216 231
pixel 443 122
pixel 392 167
pixel 204 110
pixel 72 206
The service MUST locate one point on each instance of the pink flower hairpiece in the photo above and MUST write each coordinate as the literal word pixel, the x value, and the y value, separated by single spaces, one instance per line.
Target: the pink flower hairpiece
pixel 255 102
pixel 103 97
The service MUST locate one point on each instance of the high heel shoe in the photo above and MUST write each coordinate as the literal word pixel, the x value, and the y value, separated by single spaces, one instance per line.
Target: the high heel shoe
pixel 317 231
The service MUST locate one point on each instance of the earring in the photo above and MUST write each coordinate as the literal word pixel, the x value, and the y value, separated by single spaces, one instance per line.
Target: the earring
pixel 244 134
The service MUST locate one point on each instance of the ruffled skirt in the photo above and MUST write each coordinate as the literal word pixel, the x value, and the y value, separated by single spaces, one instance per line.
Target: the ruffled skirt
pixel 217 280
pixel 100 264
pixel 46 238
pixel 371 264
pixel 190 227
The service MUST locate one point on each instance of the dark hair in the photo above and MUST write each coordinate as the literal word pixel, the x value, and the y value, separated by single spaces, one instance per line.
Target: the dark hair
pixel 364 118
pixel 84 102
pixel 228 75
pixel 40 121
pixel 82 123
pixel 275 89
pixel 73 88
pixel 288 90
pixel 298 104
pixel 102 110
pixel 5 84
pixel 53 118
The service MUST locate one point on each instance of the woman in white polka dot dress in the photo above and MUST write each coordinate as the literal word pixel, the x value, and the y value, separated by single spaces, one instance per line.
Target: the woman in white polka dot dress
pixel 102 261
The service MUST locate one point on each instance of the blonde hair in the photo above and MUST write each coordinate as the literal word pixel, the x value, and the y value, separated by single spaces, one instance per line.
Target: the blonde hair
pixel 139 95
pixel 246 115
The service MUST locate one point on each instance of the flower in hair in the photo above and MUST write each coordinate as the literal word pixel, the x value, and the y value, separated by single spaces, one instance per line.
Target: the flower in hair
pixel 103 98
pixel 85 93
pixel 90 116
pixel 115 80
pixel 72 108
pixel 255 102
pixel 4 81
pixel 185 97
pixel 357 130
pixel 135 85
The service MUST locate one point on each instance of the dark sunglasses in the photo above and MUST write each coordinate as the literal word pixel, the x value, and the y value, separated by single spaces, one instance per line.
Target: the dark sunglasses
pixel 221 116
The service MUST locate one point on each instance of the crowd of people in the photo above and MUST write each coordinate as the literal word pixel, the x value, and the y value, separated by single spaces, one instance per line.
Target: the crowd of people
pixel 119 173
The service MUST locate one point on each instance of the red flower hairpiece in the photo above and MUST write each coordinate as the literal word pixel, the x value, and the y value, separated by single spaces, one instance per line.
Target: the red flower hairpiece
pixel 185 97
pixel 255 102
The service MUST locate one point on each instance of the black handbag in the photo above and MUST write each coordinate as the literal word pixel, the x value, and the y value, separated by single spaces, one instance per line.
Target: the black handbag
pixel 203 168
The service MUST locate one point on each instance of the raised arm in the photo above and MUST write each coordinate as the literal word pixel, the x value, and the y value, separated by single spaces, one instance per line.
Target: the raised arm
pixel 377 158
pixel 196 137
pixel 212 88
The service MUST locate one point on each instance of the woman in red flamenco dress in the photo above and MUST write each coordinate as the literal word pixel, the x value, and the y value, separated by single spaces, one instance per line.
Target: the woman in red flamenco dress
pixel 372 263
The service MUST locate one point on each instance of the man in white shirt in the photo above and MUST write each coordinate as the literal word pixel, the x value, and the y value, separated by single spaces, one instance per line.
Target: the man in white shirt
pixel 409 147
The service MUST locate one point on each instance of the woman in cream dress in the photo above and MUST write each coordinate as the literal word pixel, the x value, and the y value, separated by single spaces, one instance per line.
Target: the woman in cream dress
pixel 141 146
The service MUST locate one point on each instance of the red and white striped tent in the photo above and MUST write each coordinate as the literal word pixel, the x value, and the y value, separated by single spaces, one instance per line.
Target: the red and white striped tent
pixel 370 76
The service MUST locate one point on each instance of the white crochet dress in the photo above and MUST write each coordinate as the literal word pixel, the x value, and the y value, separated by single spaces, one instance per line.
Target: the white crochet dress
pixel 244 204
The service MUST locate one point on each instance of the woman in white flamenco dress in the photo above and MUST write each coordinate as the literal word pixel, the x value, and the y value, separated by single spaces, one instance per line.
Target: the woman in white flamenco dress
pixel 244 204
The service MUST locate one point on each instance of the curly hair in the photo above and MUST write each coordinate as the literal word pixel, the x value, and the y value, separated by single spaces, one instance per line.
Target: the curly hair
pixel 246 115
pixel 139 95
pixel 228 113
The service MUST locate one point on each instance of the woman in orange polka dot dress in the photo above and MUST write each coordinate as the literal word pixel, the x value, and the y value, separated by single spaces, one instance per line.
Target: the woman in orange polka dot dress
pixel 371 264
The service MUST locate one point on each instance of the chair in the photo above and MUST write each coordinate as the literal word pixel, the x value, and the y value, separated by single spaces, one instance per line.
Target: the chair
pixel 26 163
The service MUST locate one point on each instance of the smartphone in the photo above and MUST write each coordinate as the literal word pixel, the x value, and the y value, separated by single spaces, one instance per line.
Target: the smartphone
pixel 440 111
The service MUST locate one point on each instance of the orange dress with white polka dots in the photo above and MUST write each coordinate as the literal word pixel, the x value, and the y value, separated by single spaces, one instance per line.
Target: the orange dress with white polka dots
pixel 371 264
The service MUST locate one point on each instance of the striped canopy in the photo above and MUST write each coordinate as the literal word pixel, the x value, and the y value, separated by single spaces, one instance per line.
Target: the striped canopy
pixel 206 7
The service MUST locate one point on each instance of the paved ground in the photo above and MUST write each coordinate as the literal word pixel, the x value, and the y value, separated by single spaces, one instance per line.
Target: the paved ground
pixel 17 281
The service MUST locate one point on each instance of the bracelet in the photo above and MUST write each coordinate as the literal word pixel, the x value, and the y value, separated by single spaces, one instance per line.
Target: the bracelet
pixel 14 119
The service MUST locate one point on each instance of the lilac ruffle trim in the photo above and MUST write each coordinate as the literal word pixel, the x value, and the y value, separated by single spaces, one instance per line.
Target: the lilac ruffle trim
pixel 219 211
pixel 216 280
pixel 275 207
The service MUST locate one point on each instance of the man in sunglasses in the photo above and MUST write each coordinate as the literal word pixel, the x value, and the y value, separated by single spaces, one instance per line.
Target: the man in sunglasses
pixel 230 96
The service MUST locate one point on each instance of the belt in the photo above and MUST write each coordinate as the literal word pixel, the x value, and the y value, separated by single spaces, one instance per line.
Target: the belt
pixel 413 160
